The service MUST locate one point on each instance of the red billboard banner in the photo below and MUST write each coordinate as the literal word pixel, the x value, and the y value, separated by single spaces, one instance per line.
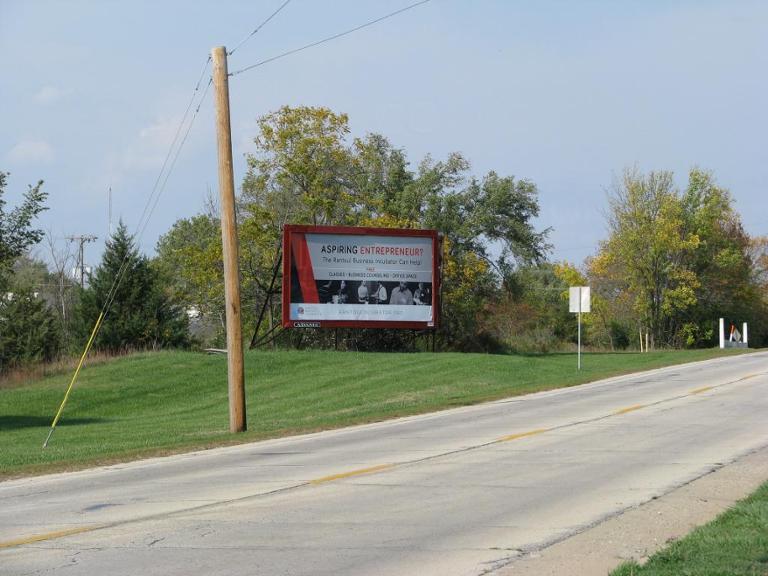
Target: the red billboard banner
pixel 341 276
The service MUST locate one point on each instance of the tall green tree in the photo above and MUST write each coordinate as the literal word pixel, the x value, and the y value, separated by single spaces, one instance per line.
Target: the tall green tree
pixel 29 331
pixel 721 259
pixel 681 259
pixel 649 246
pixel 307 169
pixel 17 233
pixel 190 254
pixel 140 315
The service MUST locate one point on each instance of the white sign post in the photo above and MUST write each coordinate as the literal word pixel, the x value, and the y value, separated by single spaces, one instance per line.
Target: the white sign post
pixel 578 302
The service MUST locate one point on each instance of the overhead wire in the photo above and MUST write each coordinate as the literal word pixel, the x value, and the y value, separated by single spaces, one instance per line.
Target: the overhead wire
pixel 173 154
pixel 160 183
pixel 259 27
pixel 176 155
pixel 162 179
pixel 175 139
pixel 140 233
pixel 329 38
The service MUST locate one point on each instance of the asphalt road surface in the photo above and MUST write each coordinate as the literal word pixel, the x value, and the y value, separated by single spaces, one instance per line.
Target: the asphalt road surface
pixel 458 492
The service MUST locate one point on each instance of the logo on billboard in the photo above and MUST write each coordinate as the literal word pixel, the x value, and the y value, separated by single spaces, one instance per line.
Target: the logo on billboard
pixel 306 324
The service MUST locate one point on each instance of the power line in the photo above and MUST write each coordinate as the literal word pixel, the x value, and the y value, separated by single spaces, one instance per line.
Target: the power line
pixel 175 140
pixel 176 155
pixel 259 27
pixel 160 183
pixel 329 38
pixel 141 227
pixel 157 190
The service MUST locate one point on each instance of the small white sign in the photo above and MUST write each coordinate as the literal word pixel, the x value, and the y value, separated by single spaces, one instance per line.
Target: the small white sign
pixel 579 300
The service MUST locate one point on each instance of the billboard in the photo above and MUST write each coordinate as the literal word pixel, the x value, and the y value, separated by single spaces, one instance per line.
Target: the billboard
pixel 339 276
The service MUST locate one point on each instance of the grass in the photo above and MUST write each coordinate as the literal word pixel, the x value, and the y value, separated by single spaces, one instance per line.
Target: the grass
pixel 160 403
pixel 734 544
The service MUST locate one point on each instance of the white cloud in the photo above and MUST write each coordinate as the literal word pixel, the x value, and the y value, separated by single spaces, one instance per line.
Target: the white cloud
pixel 51 94
pixel 31 151
pixel 151 145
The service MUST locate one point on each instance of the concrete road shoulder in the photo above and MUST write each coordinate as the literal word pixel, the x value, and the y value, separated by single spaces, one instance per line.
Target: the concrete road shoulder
pixel 639 532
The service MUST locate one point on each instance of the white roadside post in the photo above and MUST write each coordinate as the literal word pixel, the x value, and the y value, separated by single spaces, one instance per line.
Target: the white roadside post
pixel 578 302
pixel 722 332
pixel 744 334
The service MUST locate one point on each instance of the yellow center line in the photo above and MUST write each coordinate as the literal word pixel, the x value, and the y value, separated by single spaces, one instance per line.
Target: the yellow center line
pixel 629 409
pixel 48 536
pixel 358 472
pixel 700 390
pixel 332 477
pixel 522 435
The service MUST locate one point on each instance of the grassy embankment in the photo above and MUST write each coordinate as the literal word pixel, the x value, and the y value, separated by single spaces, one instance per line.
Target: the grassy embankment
pixel 158 403
pixel 735 543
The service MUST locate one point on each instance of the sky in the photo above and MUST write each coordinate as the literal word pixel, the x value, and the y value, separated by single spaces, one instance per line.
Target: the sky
pixel 564 93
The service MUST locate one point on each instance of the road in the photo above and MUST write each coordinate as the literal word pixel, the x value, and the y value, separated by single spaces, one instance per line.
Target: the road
pixel 460 492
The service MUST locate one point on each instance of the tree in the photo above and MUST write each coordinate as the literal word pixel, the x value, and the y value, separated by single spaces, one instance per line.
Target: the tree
pixel 648 250
pixel 678 260
pixel 63 289
pixel 29 331
pixel 16 231
pixel 306 171
pixel 720 260
pixel 140 314
pixel 190 253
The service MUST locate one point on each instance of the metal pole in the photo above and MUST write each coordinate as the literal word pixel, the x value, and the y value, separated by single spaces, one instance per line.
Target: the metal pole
pixel 579 328
pixel 235 370
pixel 579 339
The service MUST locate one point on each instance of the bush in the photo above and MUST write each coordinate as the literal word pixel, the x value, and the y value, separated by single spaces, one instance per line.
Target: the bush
pixel 619 335
pixel 29 331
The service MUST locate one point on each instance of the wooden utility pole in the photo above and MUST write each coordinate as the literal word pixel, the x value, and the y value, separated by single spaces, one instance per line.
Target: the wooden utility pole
pixel 235 371
pixel 82 240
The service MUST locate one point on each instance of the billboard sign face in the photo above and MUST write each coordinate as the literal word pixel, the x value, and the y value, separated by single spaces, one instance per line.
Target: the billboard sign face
pixel 336 276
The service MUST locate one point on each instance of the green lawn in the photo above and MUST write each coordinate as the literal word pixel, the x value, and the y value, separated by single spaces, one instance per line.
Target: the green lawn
pixel 156 403
pixel 734 544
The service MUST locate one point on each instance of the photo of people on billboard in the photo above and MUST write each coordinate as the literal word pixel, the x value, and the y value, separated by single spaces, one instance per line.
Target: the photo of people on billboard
pixel 358 276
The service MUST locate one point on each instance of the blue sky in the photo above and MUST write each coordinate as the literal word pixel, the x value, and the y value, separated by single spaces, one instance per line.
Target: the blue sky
pixel 564 93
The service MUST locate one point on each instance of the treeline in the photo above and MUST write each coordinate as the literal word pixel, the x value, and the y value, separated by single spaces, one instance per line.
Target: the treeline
pixel 674 260
pixel 45 314
pixel 308 170
pixel 673 263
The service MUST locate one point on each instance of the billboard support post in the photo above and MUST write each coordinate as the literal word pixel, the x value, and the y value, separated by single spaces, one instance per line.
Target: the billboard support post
pixel 578 303
pixel 235 370
pixel 267 300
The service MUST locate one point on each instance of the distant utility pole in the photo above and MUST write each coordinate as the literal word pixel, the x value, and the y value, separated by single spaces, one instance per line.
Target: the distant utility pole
pixel 235 370
pixel 82 240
